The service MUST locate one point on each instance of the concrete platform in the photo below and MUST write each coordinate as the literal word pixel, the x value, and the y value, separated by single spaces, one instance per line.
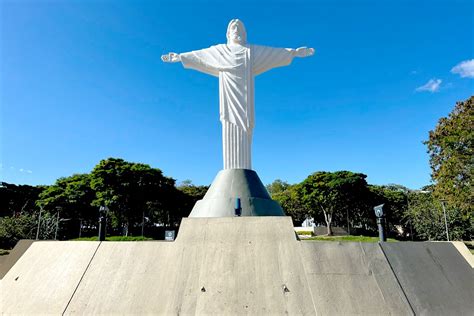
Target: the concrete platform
pixel 237 265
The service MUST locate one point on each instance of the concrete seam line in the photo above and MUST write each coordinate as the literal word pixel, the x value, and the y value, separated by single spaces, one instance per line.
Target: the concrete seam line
pixel 396 278
pixel 82 276
pixel 300 250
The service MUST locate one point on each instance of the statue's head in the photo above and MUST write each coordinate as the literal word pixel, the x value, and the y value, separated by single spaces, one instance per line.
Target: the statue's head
pixel 236 32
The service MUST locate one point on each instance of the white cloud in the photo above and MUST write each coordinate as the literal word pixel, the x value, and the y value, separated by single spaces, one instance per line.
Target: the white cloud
pixel 25 170
pixel 432 85
pixel 465 69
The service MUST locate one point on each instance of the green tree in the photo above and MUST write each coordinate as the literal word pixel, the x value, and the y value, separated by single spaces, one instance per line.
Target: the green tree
pixel 16 199
pixel 190 194
pixel 14 228
pixel 451 149
pixel 277 186
pixel 427 217
pixel 197 192
pixel 130 190
pixel 394 198
pixel 335 195
pixel 291 201
pixel 72 196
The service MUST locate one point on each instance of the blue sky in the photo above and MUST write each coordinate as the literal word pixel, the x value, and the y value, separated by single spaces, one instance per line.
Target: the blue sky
pixel 82 81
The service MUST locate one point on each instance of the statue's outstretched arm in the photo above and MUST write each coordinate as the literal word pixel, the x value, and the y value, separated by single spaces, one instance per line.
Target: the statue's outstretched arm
pixel 303 52
pixel 266 58
pixel 171 58
pixel 203 60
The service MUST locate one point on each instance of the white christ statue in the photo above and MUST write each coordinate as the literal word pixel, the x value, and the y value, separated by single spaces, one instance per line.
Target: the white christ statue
pixel 236 64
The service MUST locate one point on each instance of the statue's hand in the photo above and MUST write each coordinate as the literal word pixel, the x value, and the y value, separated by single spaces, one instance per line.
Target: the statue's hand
pixel 304 52
pixel 170 58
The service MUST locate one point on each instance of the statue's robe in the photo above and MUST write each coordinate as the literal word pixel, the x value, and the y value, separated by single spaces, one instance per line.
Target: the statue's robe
pixel 236 68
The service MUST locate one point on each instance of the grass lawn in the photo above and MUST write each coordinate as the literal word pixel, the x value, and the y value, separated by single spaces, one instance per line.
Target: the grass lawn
pixel 114 238
pixel 348 238
pixel 4 252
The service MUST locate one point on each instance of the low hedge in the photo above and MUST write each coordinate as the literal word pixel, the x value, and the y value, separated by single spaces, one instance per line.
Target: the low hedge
pixel 304 233
pixel 114 238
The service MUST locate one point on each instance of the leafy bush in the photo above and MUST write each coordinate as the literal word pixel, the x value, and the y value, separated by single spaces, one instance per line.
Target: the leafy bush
pixel 304 233
pixel 127 238
pixel 427 217
pixel 15 228
pixel 114 238
pixel 349 238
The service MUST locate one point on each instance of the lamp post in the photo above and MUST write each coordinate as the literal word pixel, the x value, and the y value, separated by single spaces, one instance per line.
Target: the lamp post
pixel 445 219
pixel 143 223
pixel 58 209
pixel 409 216
pixel 379 213
pixel 102 218
pixel 348 226
pixel 39 222
pixel 80 227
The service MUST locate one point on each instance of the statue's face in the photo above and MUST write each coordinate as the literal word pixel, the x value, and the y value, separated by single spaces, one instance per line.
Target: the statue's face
pixel 236 32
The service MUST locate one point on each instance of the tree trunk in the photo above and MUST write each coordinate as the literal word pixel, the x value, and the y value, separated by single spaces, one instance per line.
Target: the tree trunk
pixel 125 229
pixel 328 219
pixel 348 222
pixel 329 229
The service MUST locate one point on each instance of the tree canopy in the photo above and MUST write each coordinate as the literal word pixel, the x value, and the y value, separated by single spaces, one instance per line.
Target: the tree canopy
pixel 72 195
pixel 130 189
pixel 290 200
pixel 17 198
pixel 451 150
pixel 135 194
pixel 334 194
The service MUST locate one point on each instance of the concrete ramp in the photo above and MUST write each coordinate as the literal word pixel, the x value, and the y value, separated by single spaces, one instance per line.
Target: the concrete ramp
pixel 217 266
pixel 464 251
pixel 43 280
pixel 8 261
pixel 129 278
pixel 435 277
pixel 238 265
pixel 352 278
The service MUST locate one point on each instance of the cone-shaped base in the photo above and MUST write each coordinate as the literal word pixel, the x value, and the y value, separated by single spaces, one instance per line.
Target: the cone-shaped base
pixel 230 184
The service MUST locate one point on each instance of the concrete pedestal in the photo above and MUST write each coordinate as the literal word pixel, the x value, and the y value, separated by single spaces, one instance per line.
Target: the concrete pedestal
pixel 231 184
pixel 251 265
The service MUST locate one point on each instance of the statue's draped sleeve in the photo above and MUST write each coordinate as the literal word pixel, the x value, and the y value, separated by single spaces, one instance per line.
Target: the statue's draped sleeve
pixel 205 60
pixel 266 58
